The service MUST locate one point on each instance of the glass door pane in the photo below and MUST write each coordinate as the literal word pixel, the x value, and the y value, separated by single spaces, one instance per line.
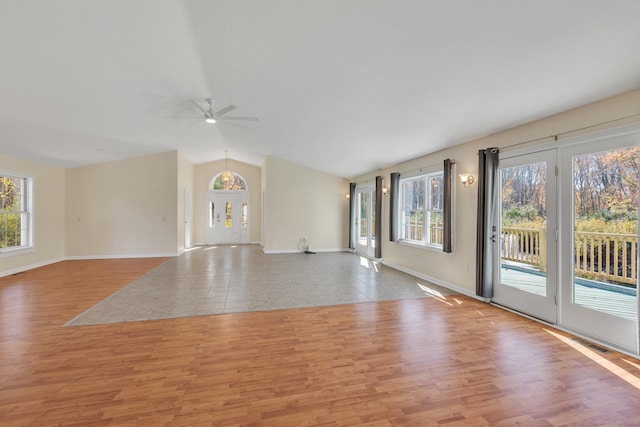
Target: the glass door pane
pixel 605 224
pixel 523 231
pixel 372 210
pixel 363 208
pixel 365 221
pixel 600 244
pixel 525 224
pixel 228 221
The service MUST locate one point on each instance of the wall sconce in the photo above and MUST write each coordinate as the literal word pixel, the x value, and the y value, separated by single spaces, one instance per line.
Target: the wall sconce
pixel 348 196
pixel 385 191
pixel 466 179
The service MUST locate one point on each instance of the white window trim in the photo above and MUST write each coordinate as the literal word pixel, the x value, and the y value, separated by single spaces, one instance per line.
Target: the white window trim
pixel 29 201
pixel 419 173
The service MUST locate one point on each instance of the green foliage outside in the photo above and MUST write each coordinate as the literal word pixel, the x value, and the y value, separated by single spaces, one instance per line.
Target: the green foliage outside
pixel 10 212
pixel 229 181
pixel 613 222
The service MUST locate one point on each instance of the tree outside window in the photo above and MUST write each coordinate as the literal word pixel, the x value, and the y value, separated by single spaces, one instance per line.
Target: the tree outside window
pixel 421 205
pixel 13 212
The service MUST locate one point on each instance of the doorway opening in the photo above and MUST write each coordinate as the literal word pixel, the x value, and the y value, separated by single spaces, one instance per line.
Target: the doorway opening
pixel 228 209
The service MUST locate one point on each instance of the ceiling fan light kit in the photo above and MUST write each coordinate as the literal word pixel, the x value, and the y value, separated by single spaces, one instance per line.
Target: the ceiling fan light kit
pixel 212 117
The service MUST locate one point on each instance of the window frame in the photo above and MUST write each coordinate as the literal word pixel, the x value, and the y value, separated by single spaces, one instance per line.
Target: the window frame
pixel 425 176
pixel 26 213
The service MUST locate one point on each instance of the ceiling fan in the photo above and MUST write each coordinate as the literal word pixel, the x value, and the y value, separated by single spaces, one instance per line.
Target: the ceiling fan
pixel 210 116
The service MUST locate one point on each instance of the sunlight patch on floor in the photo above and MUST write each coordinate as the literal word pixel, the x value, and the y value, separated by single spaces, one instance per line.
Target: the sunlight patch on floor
pixel 610 366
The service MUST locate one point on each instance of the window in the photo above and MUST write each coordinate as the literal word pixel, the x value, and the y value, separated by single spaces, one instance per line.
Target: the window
pixel 421 209
pixel 228 180
pixel 15 213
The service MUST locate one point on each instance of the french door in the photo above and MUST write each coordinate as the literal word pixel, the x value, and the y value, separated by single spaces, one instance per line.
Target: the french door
pixel 565 236
pixel 365 221
pixel 524 240
pixel 227 217
pixel 600 245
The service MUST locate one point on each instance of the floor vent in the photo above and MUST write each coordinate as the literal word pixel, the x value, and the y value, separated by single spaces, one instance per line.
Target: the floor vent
pixel 592 346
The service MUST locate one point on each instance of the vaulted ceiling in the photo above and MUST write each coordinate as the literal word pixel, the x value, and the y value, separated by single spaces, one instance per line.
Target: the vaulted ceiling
pixel 345 87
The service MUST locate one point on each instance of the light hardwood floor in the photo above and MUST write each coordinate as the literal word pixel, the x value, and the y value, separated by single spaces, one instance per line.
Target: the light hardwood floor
pixel 415 362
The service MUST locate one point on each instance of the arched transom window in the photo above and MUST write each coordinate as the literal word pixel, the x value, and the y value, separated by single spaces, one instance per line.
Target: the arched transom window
pixel 228 180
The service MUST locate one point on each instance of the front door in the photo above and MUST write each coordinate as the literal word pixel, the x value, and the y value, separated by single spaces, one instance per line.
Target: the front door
pixel 525 265
pixel 227 217
pixel 365 221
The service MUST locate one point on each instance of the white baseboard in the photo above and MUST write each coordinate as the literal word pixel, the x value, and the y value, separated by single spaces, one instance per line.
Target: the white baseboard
pixel 296 251
pixel 119 256
pixel 193 245
pixel 30 267
pixel 436 281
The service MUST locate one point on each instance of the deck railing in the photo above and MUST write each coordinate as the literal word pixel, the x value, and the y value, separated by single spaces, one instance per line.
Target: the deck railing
pixel 524 245
pixel 605 256
pixel 363 228
pixel 414 232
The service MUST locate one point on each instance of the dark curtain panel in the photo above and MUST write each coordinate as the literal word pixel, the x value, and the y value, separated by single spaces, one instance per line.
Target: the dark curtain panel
pixel 352 212
pixel 486 233
pixel 447 245
pixel 378 226
pixel 394 193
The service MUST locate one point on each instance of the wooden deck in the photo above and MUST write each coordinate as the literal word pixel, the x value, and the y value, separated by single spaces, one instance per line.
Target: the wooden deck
pixel 597 299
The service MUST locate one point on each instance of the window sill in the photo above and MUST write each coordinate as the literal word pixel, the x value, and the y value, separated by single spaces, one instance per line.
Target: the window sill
pixel 431 248
pixel 8 252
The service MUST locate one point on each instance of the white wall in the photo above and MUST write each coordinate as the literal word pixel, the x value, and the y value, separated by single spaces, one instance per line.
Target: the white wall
pixel 301 202
pixel 184 187
pixel 48 215
pixel 204 173
pixel 457 270
pixel 123 208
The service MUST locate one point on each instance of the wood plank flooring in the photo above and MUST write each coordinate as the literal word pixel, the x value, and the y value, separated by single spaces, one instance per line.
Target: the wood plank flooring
pixel 415 362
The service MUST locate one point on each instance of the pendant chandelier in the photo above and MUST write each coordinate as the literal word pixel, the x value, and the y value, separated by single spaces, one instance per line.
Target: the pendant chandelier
pixel 226 175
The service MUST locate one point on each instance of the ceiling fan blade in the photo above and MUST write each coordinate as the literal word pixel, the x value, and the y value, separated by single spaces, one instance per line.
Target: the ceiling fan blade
pixel 199 107
pixel 225 110
pixel 252 119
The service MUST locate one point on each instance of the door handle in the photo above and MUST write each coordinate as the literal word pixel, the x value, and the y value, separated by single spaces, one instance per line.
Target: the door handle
pixel 493 238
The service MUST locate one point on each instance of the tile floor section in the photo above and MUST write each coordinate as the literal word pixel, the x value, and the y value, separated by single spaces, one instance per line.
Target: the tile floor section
pixel 229 279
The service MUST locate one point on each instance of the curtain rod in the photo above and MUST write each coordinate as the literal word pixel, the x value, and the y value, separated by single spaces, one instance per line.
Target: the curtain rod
pixel 555 137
